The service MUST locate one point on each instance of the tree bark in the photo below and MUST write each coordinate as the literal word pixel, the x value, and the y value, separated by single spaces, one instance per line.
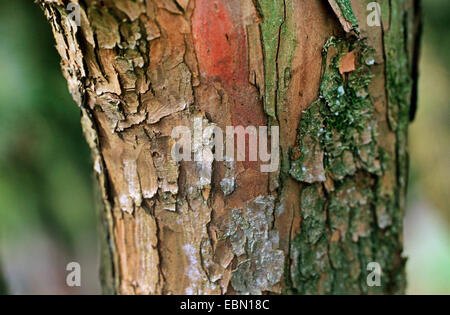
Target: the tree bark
pixel 341 92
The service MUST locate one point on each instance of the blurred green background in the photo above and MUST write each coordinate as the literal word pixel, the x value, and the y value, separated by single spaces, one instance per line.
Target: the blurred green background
pixel 47 207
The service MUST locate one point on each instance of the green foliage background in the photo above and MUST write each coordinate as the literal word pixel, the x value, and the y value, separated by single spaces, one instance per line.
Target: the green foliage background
pixel 45 178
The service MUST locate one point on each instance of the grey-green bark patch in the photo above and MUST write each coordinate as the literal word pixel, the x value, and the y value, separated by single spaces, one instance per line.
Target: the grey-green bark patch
pixel 255 243
pixel 313 217
pixel 308 167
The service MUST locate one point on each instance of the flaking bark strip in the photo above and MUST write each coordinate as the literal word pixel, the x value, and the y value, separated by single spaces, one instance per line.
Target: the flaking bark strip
pixel 272 12
pixel 343 10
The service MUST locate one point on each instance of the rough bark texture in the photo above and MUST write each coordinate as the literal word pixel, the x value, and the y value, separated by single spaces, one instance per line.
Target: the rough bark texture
pixel 341 93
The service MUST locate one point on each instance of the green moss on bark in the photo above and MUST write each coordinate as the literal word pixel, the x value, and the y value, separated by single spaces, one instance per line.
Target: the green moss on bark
pixel 340 160
pixel 347 11
pixel 339 129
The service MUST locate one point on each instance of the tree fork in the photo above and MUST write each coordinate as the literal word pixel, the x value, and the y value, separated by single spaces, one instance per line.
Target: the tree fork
pixel 341 93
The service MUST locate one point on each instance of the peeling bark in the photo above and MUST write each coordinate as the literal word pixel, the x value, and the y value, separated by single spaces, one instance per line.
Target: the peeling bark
pixel 340 93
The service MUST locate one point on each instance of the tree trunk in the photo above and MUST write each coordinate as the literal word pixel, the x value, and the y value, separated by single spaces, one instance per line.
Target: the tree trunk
pixel 341 92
